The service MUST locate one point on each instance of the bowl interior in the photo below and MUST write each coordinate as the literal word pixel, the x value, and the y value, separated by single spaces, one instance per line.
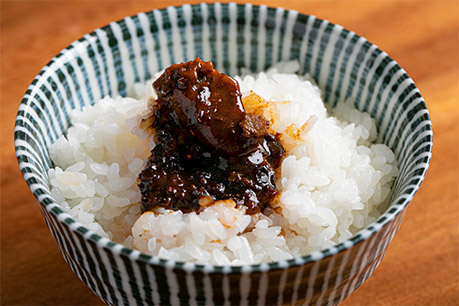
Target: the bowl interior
pixel 110 60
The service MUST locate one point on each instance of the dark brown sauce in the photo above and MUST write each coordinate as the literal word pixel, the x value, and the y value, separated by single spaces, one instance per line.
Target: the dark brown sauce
pixel 206 144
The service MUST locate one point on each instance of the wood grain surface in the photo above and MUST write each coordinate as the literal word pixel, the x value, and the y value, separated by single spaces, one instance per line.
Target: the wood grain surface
pixel 421 266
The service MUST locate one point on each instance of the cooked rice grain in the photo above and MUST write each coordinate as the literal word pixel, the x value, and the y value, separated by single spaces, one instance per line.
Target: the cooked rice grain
pixel 334 181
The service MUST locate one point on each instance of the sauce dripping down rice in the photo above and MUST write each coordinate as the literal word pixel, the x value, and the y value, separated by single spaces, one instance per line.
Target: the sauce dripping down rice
pixel 334 180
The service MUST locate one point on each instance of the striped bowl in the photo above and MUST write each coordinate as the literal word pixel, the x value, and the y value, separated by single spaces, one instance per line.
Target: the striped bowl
pixel 109 60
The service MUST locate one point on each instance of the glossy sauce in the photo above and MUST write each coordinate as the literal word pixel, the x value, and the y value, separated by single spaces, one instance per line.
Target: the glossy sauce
pixel 207 147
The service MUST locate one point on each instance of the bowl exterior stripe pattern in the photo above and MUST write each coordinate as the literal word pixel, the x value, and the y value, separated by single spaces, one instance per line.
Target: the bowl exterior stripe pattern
pixel 320 282
pixel 110 60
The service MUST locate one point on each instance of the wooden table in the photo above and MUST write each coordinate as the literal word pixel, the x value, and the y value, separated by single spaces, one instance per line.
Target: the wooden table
pixel 421 266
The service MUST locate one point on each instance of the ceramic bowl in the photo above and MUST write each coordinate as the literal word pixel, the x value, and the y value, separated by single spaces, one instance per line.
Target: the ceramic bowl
pixel 110 59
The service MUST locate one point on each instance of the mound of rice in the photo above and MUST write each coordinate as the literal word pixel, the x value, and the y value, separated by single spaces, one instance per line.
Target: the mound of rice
pixel 333 181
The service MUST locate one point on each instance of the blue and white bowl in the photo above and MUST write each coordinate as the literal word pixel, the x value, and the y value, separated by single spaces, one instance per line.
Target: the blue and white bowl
pixel 108 60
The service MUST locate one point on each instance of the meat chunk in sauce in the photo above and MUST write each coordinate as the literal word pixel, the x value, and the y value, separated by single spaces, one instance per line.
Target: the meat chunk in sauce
pixel 207 146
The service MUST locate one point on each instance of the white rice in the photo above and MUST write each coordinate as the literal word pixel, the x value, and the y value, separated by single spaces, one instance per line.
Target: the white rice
pixel 334 181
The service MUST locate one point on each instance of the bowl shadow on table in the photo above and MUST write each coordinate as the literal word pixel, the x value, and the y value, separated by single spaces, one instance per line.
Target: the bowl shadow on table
pixel 33 270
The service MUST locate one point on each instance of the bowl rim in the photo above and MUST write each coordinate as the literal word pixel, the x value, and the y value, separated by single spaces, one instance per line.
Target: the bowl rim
pixel 393 210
